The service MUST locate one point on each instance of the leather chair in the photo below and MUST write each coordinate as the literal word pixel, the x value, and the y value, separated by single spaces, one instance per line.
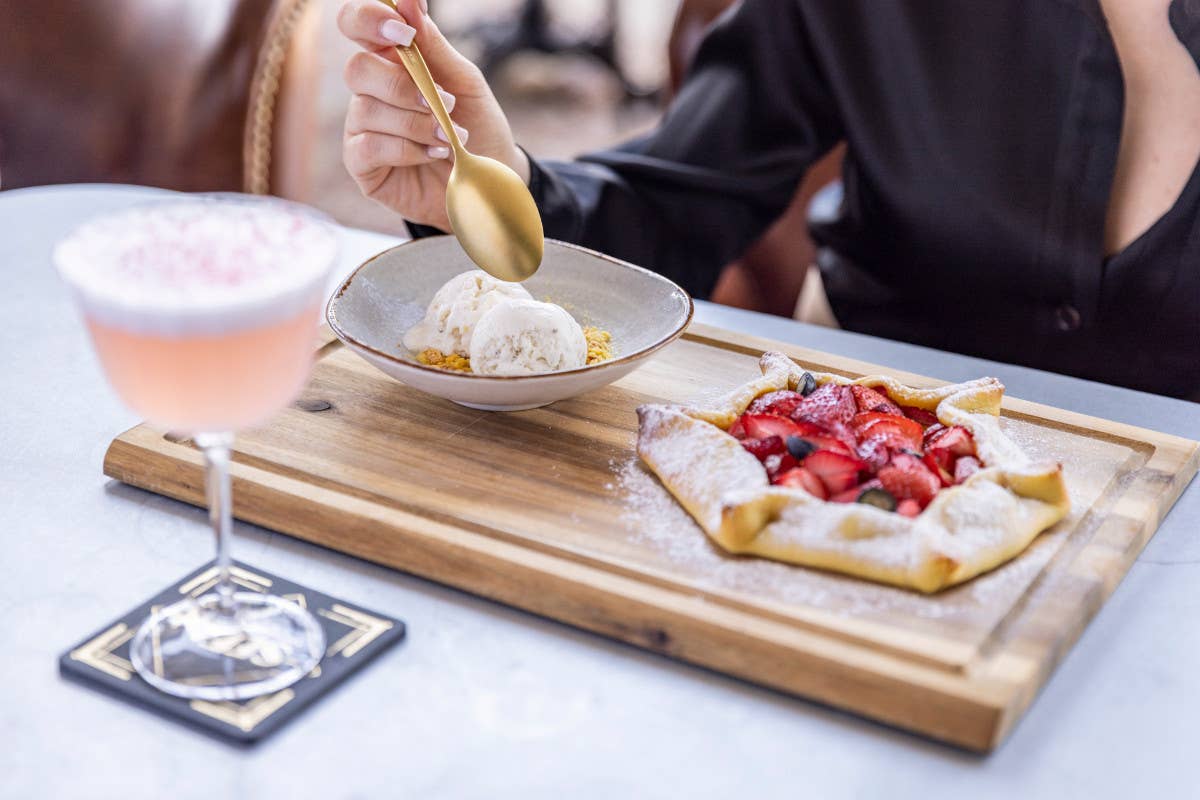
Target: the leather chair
pixel 772 272
pixel 196 95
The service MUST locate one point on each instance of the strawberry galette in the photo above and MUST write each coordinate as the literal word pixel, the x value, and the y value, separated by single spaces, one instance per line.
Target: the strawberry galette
pixel 914 487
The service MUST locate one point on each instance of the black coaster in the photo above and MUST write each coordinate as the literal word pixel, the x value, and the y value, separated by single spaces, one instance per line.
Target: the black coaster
pixel 353 637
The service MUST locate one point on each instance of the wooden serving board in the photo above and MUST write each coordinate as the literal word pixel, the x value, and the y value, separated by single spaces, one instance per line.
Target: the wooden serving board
pixel 548 510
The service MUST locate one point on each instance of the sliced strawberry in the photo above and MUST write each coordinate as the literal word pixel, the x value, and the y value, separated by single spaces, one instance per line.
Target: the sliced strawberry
pixel 920 416
pixel 906 477
pixel 762 426
pixel 845 435
pixel 891 434
pixel 837 471
pixel 949 444
pixel 908 508
pixel 937 469
pixel 778 464
pixel 868 399
pixel 965 467
pixel 834 430
pixel 809 429
pixel 899 432
pixel 738 429
pixel 865 420
pixel 875 452
pixel 848 496
pixel 957 440
pixel 831 444
pixel 933 430
pixel 800 478
pixel 831 406
pixel 761 448
pixel 781 403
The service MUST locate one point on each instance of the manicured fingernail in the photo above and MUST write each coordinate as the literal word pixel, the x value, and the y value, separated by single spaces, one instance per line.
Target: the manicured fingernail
pixel 437 152
pixel 447 100
pixel 461 131
pixel 424 6
pixel 396 31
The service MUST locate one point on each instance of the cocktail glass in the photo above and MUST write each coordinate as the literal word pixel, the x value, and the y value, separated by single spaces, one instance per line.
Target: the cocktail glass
pixel 203 311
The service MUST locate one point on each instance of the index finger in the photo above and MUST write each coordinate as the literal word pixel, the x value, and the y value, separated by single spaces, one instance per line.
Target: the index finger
pixel 373 25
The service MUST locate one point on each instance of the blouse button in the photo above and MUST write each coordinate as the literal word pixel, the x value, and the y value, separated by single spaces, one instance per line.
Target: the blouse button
pixel 1067 318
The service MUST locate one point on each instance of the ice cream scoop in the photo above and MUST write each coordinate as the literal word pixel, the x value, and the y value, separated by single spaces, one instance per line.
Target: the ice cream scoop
pixel 526 337
pixel 457 308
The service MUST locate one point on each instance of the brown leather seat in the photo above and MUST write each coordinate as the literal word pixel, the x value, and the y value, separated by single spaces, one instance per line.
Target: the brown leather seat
pixel 770 274
pixel 197 95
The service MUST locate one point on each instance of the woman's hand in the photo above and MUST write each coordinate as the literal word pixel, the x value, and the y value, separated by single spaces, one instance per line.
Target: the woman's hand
pixel 392 144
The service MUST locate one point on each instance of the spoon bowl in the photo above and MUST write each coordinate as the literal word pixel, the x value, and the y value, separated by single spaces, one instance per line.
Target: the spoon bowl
pixel 494 217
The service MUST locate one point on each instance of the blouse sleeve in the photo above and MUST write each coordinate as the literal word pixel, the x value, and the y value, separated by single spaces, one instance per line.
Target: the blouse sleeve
pixel 752 115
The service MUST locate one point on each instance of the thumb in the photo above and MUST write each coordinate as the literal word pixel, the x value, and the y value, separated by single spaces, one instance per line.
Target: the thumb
pixel 450 68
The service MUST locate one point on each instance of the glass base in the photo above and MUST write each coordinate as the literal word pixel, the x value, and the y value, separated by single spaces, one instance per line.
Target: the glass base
pixel 199 649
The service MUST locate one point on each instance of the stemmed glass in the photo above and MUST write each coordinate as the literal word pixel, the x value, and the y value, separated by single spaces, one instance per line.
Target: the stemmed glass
pixel 203 311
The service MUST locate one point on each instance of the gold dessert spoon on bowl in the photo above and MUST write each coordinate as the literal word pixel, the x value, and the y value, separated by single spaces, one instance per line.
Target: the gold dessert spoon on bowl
pixel 490 208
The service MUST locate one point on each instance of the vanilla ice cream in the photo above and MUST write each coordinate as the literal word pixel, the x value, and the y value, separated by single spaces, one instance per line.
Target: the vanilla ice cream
pixel 456 310
pixel 525 337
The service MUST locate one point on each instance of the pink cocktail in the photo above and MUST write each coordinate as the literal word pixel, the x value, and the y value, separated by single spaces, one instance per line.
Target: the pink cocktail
pixel 207 382
pixel 203 312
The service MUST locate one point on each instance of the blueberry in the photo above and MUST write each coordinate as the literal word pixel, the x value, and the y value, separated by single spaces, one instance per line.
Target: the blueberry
pixel 880 498
pixel 800 448
pixel 807 385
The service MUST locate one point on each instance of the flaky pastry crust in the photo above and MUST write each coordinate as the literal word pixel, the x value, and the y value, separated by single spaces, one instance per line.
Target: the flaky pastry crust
pixel 966 530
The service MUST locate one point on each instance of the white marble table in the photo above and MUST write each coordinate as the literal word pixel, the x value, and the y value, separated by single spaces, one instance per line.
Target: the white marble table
pixel 483 701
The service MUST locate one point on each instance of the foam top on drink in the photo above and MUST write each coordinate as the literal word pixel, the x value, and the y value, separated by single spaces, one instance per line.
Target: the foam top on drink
pixel 198 265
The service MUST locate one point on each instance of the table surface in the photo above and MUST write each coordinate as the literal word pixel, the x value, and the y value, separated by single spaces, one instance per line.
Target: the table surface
pixel 485 701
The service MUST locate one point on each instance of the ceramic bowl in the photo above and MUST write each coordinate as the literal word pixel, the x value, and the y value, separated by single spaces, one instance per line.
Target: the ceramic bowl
pixel 373 308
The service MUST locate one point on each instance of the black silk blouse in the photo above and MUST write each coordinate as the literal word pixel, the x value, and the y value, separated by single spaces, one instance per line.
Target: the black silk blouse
pixel 982 144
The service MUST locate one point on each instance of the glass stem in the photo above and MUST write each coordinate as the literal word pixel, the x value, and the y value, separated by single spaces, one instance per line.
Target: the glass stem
pixel 216 448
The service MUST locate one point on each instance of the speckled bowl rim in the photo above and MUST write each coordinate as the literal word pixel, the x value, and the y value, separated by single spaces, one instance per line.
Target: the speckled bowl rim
pixel 341 333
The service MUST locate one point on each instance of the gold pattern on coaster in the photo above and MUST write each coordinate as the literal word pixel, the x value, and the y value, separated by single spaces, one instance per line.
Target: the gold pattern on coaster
pixel 245 716
pixel 366 629
pixel 98 653
pixel 208 579
pixel 358 636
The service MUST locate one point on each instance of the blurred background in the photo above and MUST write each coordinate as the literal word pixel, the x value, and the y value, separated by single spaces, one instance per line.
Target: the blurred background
pixel 247 95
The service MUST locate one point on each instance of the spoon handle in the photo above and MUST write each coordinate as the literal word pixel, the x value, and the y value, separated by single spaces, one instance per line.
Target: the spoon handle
pixel 414 62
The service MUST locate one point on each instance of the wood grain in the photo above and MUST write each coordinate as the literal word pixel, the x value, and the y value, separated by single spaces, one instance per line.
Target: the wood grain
pixel 548 511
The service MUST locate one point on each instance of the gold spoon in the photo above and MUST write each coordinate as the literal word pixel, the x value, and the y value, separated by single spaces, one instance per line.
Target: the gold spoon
pixel 490 207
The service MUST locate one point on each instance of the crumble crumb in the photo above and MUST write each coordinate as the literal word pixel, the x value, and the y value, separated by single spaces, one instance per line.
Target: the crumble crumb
pixel 436 358
pixel 599 348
